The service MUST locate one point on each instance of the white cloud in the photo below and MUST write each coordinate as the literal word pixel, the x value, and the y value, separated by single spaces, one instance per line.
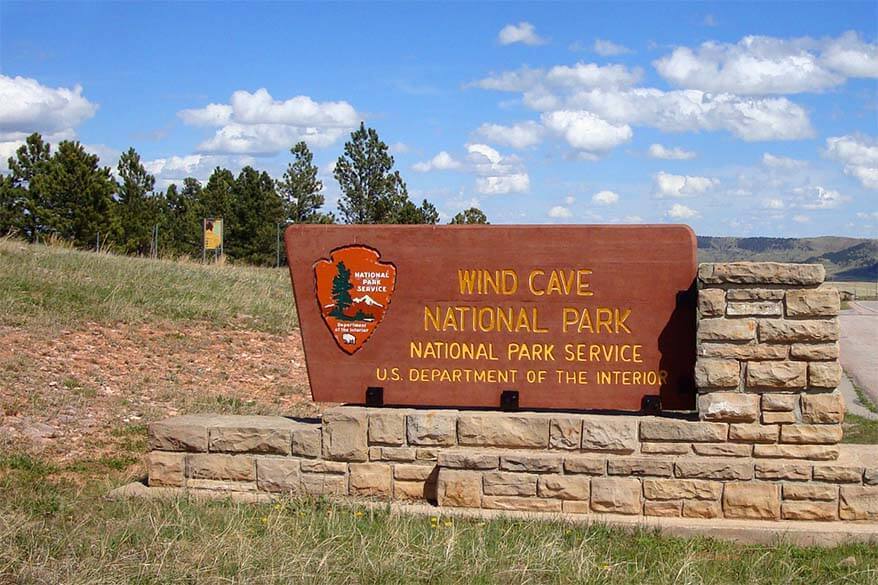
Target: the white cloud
pixel 27 106
pixel 679 211
pixel 782 162
pixel 818 198
pixel 591 75
pixel 607 48
pixel 570 200
pixel 800 218
pixel 399 148
pixel 662 152
pixel 516 80
pixel 501 185
pixel 174 169
pixel 559 212
pixel 605 198
pixel 859 154
pixel 773 203
pixel 586 131
pixel 441 162
pixel 523 32
pixel 631 219
pixel 256 123
pixel 760 65
pixel 498 174
pixel 668 185
pixel 519 135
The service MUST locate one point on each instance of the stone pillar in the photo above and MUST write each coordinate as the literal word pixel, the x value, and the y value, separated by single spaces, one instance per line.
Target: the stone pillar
pixel 768 355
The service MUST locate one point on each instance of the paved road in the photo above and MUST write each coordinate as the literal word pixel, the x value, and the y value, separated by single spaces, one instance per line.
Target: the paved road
pixel 859 345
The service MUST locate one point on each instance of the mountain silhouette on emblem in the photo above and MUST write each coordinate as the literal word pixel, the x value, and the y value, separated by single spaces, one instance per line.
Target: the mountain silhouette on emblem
pixel 367 300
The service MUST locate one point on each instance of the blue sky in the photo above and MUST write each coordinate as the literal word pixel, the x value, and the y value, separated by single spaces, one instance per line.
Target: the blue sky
pixel 736 118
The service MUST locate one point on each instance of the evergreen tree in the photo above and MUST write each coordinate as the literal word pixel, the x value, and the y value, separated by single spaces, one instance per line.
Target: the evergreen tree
pixel 410 213
pixel 76 196
pixel 300 189
pixel 256 211
pixel 138 208
pixel 216 197
pixel 473 215
pixel 28 208
pixel 11 209
pixel 184 218
pixel 341 291
pixel 371 192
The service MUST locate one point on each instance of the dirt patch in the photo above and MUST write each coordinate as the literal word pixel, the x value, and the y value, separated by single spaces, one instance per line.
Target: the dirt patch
pixel 82 394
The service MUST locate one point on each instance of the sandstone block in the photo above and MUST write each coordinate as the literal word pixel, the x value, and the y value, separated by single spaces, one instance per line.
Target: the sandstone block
pixel 574 507
pixel 838 473
pixel 306 442
pixel 387 428
pixel 666 509
pixel 713 469
pixel 613 434
pixel 586 465
pixel 806 510
pixel 711 302
pixel 324 485
pixel 858 503
pixel 468 460
pixel 755 294
pixel 218 466
pixel 722 449
pixel 370 479
pixel 431 428
pixel 744 351
pixel 754 308
pixel 702 509
pixel 616 495
pixel 405 472
pixel 665 448
pixel 564 487
pixel 503 430
pixel 497 483
pixel 520 503
pixel 681 489
pixel 391 454
pixel 810 491
pixel 811 434
pixel 780 330
pixel 426 454
pixel 541 463
pixel 779 374
pixel 277 475
pixel 817 302
pixel 565 433
pixel 250 440
pixel 814 351
pixel 779 470
pixel 180 433
pixel 822 408
pixel 344 434
pixel 761 273
pixel 816 452
pixel 335 467
pixel 777 418
pixel 870 477
pixel 459 489
pixel 209 487
pixel 720 329
pixel 640 467
pixel 666 429
pixel 410 490
pixel 824 374
pixel 728 407
pixel 754 433
pixel 717 373
pixel 779 402
pixel 752 500
pixel 166 469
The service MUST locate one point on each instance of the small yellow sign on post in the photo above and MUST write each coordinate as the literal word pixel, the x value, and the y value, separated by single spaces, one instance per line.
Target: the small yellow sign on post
pixel 213 234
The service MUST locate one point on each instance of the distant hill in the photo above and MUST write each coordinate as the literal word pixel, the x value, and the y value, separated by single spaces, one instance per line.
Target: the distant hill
pixel 844 258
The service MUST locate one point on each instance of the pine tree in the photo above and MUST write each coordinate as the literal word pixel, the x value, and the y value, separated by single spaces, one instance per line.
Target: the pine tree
pixel 300 189
pixel 184 218
pixel 139 209
pixel 29 209
pixel 252 224
pixel 371 191
pixel 341 291
pixel 473 215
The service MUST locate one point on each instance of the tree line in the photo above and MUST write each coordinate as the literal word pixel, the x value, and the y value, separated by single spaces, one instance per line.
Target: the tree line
pixel 68 195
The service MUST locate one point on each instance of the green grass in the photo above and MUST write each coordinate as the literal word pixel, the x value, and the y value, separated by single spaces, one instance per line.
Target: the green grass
pixel 58 287
pixel 55 530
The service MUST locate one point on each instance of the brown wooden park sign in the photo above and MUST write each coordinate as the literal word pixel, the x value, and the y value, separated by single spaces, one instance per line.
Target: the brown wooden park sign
pixel 557 317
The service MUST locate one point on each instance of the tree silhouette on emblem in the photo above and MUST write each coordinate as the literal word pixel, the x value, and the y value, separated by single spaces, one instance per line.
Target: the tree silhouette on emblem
pixel 341 287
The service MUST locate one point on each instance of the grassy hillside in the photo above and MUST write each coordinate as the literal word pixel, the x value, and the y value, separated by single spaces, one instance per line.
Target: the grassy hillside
pixel 56 286
pixel 844 258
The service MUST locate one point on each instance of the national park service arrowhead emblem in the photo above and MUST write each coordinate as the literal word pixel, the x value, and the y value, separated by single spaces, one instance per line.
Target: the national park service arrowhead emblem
pixel 354 290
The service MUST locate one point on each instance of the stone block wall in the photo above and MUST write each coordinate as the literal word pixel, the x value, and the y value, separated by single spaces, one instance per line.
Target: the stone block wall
pixel 768 354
